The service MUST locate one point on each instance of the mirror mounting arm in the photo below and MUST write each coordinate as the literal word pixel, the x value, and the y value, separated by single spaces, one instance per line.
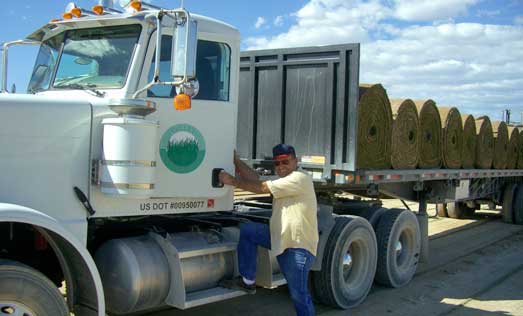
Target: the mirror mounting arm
pixel 5 59
pixel 180 16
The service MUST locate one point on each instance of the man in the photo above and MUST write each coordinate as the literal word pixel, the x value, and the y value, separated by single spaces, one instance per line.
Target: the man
pixel 293 231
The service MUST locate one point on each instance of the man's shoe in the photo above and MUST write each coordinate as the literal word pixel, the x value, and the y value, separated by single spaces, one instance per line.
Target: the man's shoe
pixel 238 284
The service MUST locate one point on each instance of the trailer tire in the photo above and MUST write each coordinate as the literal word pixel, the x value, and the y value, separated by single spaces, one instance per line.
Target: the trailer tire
pixel 456 210
pixel 518 205
pixel 349 264
pixel 25 291
pixel 442 210
pixel 373 215
pixel 508 203
pixel 399 246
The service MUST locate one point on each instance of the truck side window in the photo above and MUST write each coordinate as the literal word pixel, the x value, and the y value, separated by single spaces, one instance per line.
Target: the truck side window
pixel 213 63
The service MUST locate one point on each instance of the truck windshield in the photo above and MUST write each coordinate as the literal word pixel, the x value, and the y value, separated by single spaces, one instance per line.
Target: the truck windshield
pixel 90 58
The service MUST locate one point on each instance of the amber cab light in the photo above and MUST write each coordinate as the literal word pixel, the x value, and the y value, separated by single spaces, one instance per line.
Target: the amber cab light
pixel 77 12
pixel 136 4
pixel 182 102
pixel 98 9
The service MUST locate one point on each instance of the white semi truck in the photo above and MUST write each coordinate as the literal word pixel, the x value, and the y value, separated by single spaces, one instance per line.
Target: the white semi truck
pixel 109 196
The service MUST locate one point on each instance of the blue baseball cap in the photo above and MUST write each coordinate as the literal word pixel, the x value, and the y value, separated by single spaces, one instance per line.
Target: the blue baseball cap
pixel 282 151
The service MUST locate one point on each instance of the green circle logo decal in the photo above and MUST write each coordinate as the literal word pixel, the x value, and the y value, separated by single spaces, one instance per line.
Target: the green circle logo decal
pixel 182 148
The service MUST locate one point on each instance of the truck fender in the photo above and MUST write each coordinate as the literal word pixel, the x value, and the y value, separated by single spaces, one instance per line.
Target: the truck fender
pixel 325 225
pixel 71 253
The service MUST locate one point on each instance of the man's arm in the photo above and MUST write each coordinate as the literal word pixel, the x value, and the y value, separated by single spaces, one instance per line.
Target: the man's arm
pixel 255 186
pixel 245 172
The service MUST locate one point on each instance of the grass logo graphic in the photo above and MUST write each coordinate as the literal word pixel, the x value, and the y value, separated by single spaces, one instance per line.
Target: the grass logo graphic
pixel 182 148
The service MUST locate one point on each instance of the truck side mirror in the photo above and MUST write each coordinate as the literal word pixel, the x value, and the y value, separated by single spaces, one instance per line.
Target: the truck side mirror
pixel 184 48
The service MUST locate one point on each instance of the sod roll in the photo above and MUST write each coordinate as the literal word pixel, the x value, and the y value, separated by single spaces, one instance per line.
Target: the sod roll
pixel 484 143
pixel 468 155
pixel 429 134
pixel 519 164
pixel 500 131
pixel 512 148
pixel 374 128
pixel 451 137
pixel 404 142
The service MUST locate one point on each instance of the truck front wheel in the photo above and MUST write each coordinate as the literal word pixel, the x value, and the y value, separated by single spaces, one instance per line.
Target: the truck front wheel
pixel 26 292
pixel 349 264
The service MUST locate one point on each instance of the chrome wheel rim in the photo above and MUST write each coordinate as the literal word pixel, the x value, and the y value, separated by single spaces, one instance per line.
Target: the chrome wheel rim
pixel 15 309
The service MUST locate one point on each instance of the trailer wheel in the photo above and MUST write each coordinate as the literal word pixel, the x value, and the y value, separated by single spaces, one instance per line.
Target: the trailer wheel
pixel 349 264
pixel 442 210
pixel 399 246
pixel 456 210
pixel 373 215
pixel 508 203
pixel 518 205
pixel 26 292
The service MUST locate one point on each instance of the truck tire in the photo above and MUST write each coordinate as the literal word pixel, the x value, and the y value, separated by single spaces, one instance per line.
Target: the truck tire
pixel 456 210
pixel 442 210
pixel 27 292
pixel 399 246
pixel 373 215
pixel 349 264
pixel 518 205
pixel 508 203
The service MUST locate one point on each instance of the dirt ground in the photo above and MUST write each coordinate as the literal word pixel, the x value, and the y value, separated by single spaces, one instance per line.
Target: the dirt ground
pixel 475 269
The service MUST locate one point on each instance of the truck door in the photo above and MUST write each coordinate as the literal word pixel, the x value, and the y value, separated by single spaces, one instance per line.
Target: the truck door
pixel 193 142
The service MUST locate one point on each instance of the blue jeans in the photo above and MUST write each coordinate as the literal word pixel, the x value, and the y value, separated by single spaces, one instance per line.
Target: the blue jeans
pixel 295 264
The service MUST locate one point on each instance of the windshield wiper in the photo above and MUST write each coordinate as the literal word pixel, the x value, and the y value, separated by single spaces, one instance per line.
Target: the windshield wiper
pixel 86 87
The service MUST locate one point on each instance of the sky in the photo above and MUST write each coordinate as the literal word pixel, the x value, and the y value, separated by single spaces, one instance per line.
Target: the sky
pixel 463 53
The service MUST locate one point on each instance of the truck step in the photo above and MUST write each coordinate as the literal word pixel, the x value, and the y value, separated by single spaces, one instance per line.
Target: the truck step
pixel 210 295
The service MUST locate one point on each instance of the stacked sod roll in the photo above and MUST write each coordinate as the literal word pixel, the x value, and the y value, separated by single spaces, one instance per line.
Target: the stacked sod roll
pixel 519 164
pixel 500 132
pixel 512 148
pixel 468 155
pixel 451 137
pixel 430 134
pixel 484 143
pixel 374 128
pixel 409 134
pixel 404 142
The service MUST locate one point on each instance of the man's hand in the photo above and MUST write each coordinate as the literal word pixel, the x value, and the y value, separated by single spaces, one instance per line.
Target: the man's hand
pixel 227 178
pixel 255 186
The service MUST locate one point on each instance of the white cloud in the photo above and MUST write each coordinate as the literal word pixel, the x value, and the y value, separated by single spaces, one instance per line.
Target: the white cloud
pixel 488 13
pixel 476 67
pixel 260 21
pixel 278 21
pixel 426 10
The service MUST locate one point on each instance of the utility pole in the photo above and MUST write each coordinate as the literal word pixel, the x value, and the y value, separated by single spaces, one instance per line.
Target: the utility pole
pixel 507 116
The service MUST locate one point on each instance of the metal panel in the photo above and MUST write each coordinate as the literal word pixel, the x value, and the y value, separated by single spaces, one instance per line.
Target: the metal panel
pixel 269 109
pixel 306 97
pixel 245 125
pixel 308 112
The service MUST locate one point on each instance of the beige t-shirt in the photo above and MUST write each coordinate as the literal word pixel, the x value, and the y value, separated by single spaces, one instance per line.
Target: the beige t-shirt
pixel 293 223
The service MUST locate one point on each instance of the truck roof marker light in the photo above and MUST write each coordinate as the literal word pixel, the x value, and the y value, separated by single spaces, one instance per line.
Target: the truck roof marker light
pixel 136 5
pixel 55 20
pixel 68 13
pixel 182 102
pixel 77 12
pixel 98 9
